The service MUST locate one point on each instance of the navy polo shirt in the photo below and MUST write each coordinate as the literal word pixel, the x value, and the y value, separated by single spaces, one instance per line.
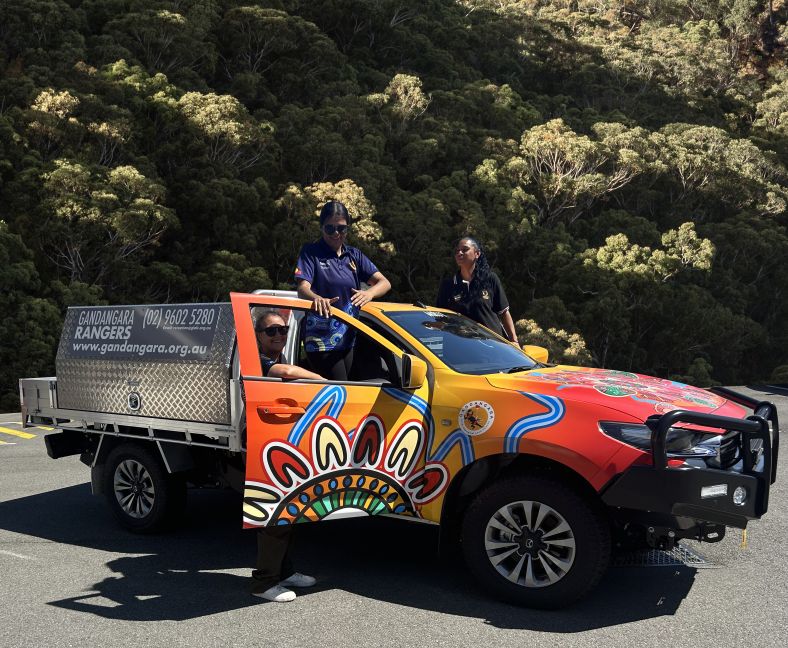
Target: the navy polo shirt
pixel 332 275
pixel 483 306
pixel 266 363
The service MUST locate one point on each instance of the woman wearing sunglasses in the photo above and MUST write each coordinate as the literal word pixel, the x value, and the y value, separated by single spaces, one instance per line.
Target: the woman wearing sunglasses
pixel 330 273
pixel 476 291
pixel 271 337
pixel 274 575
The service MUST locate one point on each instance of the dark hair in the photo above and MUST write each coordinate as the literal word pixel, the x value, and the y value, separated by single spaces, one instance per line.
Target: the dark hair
pixel 259 322
pixel 334 208
pixel 481 271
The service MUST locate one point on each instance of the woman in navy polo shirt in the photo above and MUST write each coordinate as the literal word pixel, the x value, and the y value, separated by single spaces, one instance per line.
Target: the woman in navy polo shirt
pixel 476 291
pixel 330 273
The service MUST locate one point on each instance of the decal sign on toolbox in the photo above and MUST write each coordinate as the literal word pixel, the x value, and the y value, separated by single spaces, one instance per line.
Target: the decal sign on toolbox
pixel 173 331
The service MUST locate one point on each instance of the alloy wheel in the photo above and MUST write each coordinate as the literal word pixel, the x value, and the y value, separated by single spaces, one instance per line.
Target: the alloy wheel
pixel 530 544
pixel 134 488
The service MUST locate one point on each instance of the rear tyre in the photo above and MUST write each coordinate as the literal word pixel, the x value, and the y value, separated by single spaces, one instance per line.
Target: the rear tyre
pixel 140 492
pixel 535 541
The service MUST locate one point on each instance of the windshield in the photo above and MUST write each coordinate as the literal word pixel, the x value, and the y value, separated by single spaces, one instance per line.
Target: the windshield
pixel 461 343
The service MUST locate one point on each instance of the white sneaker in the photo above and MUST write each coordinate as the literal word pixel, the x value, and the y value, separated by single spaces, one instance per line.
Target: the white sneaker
pixel 299 580
pixel 277 593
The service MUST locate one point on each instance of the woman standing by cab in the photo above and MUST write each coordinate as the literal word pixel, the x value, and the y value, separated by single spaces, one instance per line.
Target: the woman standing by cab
pixel 475 290
pixel 330 273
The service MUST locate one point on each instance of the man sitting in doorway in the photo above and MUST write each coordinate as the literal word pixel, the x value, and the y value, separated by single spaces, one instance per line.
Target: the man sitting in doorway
pixel 271 337
pixel 274 573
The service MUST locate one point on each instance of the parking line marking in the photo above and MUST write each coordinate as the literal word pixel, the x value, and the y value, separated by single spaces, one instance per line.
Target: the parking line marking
pixel 22 425
pixel 15 555
pixel 6 443
pixel 35 427
pixel 17 433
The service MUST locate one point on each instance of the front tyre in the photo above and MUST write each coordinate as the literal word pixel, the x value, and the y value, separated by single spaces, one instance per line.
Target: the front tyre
pixel 141 494
pixel 535 541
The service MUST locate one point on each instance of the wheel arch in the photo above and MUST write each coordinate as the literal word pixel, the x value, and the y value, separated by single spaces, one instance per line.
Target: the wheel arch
pixel 474 477
pixel 160 494
pixel 175 458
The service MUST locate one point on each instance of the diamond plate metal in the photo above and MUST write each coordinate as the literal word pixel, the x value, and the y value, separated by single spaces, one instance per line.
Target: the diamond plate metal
pixel 188 390
pixel 679 556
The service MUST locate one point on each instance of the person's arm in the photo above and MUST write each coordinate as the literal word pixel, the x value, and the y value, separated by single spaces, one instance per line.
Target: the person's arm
pixel 292 372
pixel 501 306
pixel 508 326
pixel 320 304
pixel 304 274
pixel 378 286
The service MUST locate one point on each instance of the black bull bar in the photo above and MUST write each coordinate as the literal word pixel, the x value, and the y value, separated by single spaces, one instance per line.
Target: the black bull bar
pixel 679 491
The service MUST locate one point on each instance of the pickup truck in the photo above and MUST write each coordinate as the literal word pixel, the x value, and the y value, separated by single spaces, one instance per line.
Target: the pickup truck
pixel 536 469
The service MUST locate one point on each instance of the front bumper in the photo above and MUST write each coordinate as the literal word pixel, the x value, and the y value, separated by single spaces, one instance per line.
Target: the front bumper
pixel 662 490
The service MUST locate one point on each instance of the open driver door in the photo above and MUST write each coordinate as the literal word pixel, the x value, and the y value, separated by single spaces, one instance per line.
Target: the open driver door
pixel 328 449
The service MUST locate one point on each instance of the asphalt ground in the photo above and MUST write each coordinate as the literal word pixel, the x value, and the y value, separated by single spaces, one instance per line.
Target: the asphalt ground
pixel 69 576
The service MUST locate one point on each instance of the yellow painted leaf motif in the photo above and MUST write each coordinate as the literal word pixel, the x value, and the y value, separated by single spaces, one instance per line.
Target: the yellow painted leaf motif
pixel 329 445
pixel 255 499
pixel 404 452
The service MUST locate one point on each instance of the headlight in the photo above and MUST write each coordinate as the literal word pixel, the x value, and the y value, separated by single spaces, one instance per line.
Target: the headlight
pixel 680 442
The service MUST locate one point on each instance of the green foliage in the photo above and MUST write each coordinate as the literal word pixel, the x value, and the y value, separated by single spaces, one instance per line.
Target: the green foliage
pixel 92 218
pixel 403 99
pixel 232 137
pixel 227 272
pixel 30 324
pixel 780 375
pixel 167 37
pixel 565 173
pixel 563 347
pixel 622 161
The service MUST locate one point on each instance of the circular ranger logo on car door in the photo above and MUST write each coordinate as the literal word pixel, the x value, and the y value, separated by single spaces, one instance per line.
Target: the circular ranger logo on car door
pixel 476 417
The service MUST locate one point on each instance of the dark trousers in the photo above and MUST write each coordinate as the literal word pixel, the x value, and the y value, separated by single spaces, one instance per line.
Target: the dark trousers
pixel 273 557
pixel 332 365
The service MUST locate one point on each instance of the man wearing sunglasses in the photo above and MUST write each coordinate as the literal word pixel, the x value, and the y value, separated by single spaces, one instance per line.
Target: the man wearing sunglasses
pixel 330 273
pixel 271 337
pixel 274 575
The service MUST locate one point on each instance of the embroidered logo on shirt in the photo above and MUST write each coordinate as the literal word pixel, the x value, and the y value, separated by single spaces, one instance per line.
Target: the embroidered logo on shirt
pixel 297 271
pixel 485 294
pixel 457 298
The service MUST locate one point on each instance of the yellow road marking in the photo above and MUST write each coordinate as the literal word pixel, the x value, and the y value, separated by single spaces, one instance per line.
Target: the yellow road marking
pixel 18 433
pixel 35 427
pixel 6 443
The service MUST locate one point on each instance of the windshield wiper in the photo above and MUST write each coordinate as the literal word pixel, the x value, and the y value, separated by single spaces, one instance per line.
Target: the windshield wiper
pixel 518 369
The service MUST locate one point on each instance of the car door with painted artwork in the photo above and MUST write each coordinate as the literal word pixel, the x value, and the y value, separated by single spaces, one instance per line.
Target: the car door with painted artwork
pixel 328 449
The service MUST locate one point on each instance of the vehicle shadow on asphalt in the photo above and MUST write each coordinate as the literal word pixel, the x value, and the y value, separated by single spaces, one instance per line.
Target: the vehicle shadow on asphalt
pixel 183 574
pixel 399 563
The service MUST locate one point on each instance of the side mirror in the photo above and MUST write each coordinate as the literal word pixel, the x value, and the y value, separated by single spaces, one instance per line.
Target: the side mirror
pixel 540 354
pixel 414 371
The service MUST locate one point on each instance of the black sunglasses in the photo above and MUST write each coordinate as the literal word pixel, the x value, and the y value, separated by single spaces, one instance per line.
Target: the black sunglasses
pixel 270 331
pixel 333 229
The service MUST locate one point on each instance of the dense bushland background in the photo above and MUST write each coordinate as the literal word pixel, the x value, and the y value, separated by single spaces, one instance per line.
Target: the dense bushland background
pixel 623 160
